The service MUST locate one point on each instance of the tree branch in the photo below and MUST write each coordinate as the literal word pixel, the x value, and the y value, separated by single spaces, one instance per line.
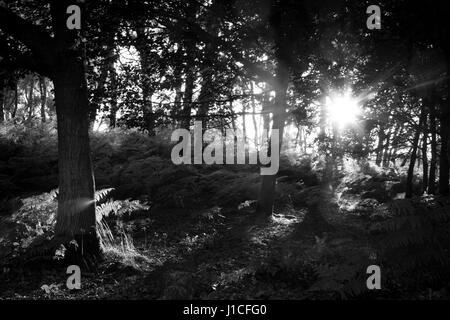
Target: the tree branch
pixel 39 42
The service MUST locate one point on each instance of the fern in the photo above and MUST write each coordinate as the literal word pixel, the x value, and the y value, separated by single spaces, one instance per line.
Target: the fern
pixel 416 238
pixel 102 195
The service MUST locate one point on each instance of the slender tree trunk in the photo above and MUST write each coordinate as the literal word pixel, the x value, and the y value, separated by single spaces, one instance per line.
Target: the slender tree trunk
pixel 298 138
pixel 233 115
pixel 146 84
pixel 424 152
pixel 187 101
pixel 255 125
pixel 266 109
pixel 2 101
pixel 206 96
pixel 16 101
pixel 412 161
pixel 387 148
pixel 379 150
pixel 444 117
pixel 43 93
pixel 98 94
pixel 113 108
pixel 176 110
pixel 30 100
pixel 432 177
pixel 443 158
pixel 244 124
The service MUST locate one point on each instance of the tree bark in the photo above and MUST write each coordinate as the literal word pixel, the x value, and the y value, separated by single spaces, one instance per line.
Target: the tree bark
pixel 387 148
pixel 2 101
pixel 432 176
pixel 16 101
pixel 76 203
pixel 424 152
pixel 412 161
pixel 30 100
pixel 379 150
pixel 443 157
pixel 146 83
pixel 187 101
pixel 255 125
pixel 206 96
pixel 113 107
pixel 43 93
pixel 267 191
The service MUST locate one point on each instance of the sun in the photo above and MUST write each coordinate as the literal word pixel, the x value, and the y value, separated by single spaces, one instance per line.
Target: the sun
pixel 343 110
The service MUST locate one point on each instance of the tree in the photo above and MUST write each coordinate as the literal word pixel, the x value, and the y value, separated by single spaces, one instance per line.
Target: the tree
pixel 61 57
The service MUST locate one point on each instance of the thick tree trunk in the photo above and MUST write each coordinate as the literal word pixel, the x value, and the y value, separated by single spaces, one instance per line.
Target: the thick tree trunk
pixel 76 204
pixel 76 217
pixel 412 161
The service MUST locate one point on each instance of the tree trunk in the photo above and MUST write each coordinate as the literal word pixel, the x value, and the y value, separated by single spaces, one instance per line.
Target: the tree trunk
pixel 206 95
pixel 175 112
pixel 443 157
pixel 424 154
pixel 244 124
pixel 98 94
pixel 146 83
pixel 266 109
pixel 113 108
pixel 379 150
pixel 43 93
pixel 255 125
pixel 432 176
pixel 2 101
pixel 16 101
pixel 76 204
pixel 412 161
pixel 76 217
pixel 267 191
pixel 30 100
pixel 187 101
pixel 387 148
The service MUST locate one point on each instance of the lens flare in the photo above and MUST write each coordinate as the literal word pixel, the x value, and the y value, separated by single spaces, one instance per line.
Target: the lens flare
pixel 343 110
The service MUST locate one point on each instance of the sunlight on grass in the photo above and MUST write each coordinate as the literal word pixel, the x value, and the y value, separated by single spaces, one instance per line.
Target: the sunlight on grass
pixel 121 248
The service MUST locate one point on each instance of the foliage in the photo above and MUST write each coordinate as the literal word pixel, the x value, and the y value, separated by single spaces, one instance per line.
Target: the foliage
pixel 414 241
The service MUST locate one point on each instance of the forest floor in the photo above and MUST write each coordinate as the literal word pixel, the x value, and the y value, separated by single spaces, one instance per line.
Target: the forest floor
pixel 216 254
